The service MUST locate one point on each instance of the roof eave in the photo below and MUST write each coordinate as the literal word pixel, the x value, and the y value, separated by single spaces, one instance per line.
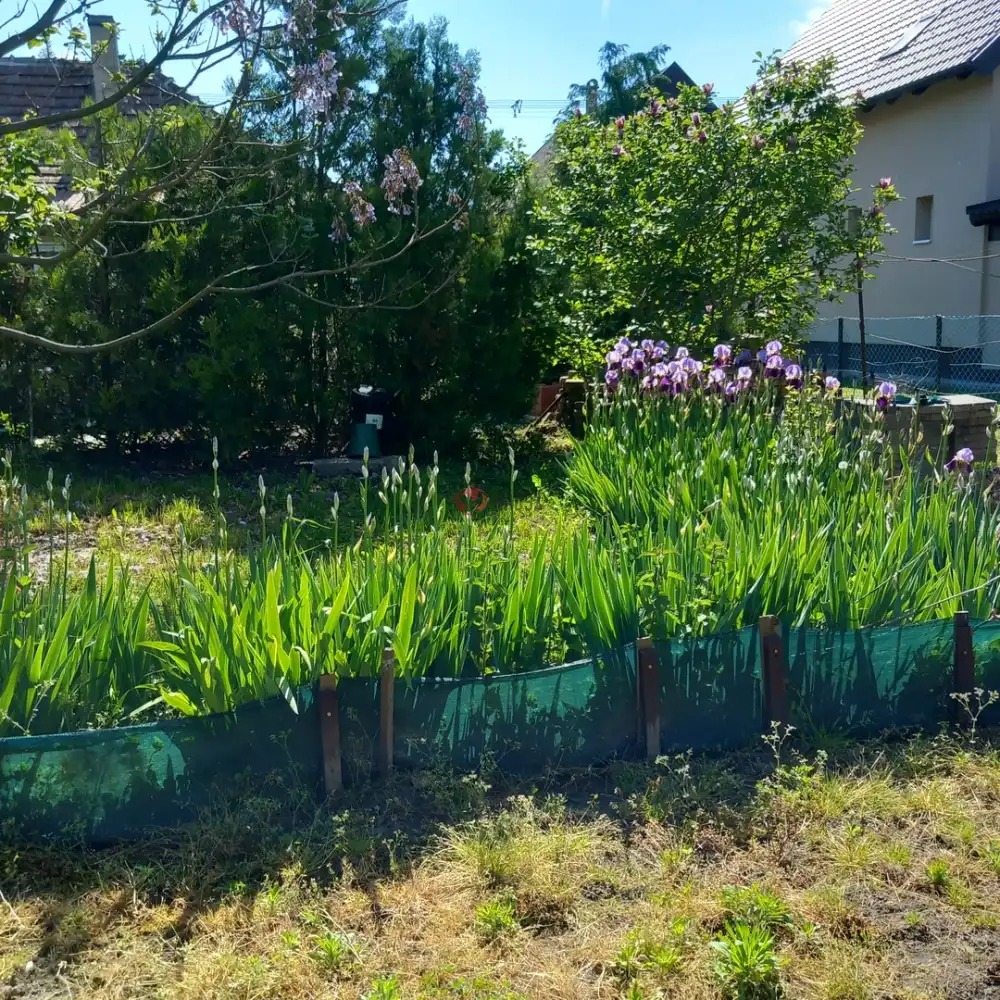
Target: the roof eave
pixel 984 213
pixel 919 86
pixel 988 58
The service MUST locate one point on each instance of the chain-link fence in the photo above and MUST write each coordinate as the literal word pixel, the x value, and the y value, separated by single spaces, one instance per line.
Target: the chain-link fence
pixel 929 353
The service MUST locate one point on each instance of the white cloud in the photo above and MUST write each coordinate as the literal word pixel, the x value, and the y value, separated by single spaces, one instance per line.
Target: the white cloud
pixel 812 15
pixel 605 8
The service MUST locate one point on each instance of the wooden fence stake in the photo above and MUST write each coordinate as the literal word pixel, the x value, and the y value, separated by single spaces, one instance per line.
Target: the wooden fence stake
pixel 773 676
pixel 386 702
pixel 964 666
pixel 329 733
pixel 648 683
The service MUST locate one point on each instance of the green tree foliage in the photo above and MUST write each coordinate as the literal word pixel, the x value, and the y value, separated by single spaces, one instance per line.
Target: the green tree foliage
pixel 625 79
pixel 708 225
pixel 444 322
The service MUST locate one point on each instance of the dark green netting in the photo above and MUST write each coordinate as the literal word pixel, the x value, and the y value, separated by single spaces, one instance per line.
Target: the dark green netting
pixel 710 690
pixel 574 715
pixel 110 784
pixel 105 785
pixel 870 679
pixel 986 646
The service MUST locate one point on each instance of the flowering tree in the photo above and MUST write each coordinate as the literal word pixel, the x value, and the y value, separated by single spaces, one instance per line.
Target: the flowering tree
pixel 711 225
pixel 301 39
pixel 625 77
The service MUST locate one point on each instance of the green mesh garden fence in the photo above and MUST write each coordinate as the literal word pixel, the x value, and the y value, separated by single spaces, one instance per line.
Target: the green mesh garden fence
pixel 869 680
pixel 710 691
pixel 105 785
pixel 986 647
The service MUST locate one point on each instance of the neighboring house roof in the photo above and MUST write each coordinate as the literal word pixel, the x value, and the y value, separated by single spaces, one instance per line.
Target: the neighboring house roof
pixel 43 86
pixel 52 86
pixel 667 83
pixel 885 48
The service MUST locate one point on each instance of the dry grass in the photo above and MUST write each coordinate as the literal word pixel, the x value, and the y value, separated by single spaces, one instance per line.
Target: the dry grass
pixel 876 876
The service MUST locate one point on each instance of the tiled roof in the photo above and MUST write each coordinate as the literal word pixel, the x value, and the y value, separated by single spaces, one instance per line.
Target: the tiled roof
pixel 52 86
pixel 962 38
pixel 58 86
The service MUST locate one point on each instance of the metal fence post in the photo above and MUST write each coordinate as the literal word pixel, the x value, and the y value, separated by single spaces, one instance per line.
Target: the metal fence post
pixel 840 348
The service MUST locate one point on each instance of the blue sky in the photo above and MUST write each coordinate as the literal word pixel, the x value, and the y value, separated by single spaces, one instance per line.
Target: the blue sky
pixel 532 50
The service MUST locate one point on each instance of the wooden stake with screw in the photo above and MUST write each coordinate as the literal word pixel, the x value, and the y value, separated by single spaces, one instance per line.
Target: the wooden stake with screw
pixel 773 675
pixel 963 666
pixel 648 683
pixel 329 734
pixel 386 703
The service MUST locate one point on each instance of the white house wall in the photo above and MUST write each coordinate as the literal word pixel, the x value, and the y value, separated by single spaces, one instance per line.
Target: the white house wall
pixel 937 143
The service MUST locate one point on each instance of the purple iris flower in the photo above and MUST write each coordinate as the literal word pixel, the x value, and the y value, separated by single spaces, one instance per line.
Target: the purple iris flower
pixel 639 360
pixel 658 353
pixel 612 377
pixel 647 383
pixel 716 377
pixel 744 374
pixel 659 370
pixel 624 345
pixel 774 347
pixel 832 384
pixel 691 365
pixel 962 462
pixel 743 358
pixel 628 364
pixel 674 369
pixel 663 346
pixel 614 359
pixel 774 366
pixel 793 376
pixel 647 346
pixel 731 390
pixel 762 355
pixel 886 391
pixel 722 354
pixel 682 353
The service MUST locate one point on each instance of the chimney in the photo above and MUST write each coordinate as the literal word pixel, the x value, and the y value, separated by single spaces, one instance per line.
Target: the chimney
pixel 104 53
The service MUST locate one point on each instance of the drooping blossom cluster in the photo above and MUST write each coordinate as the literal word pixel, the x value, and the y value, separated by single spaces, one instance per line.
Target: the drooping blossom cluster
pixel 473 102
pixel 299 26
pixel 362 210
pixel 317 84
pixel 401 175
pixel 239 17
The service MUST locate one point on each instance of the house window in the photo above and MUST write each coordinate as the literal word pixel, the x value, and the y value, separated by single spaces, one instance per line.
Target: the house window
pixel 993 232
pixel 853 221
pixel 925 210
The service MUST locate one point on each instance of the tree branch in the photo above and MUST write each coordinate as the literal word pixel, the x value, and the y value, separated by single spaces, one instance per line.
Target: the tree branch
pixel 46 21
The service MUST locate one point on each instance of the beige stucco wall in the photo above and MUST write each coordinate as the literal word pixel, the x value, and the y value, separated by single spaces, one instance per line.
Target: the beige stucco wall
pixel 945 143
